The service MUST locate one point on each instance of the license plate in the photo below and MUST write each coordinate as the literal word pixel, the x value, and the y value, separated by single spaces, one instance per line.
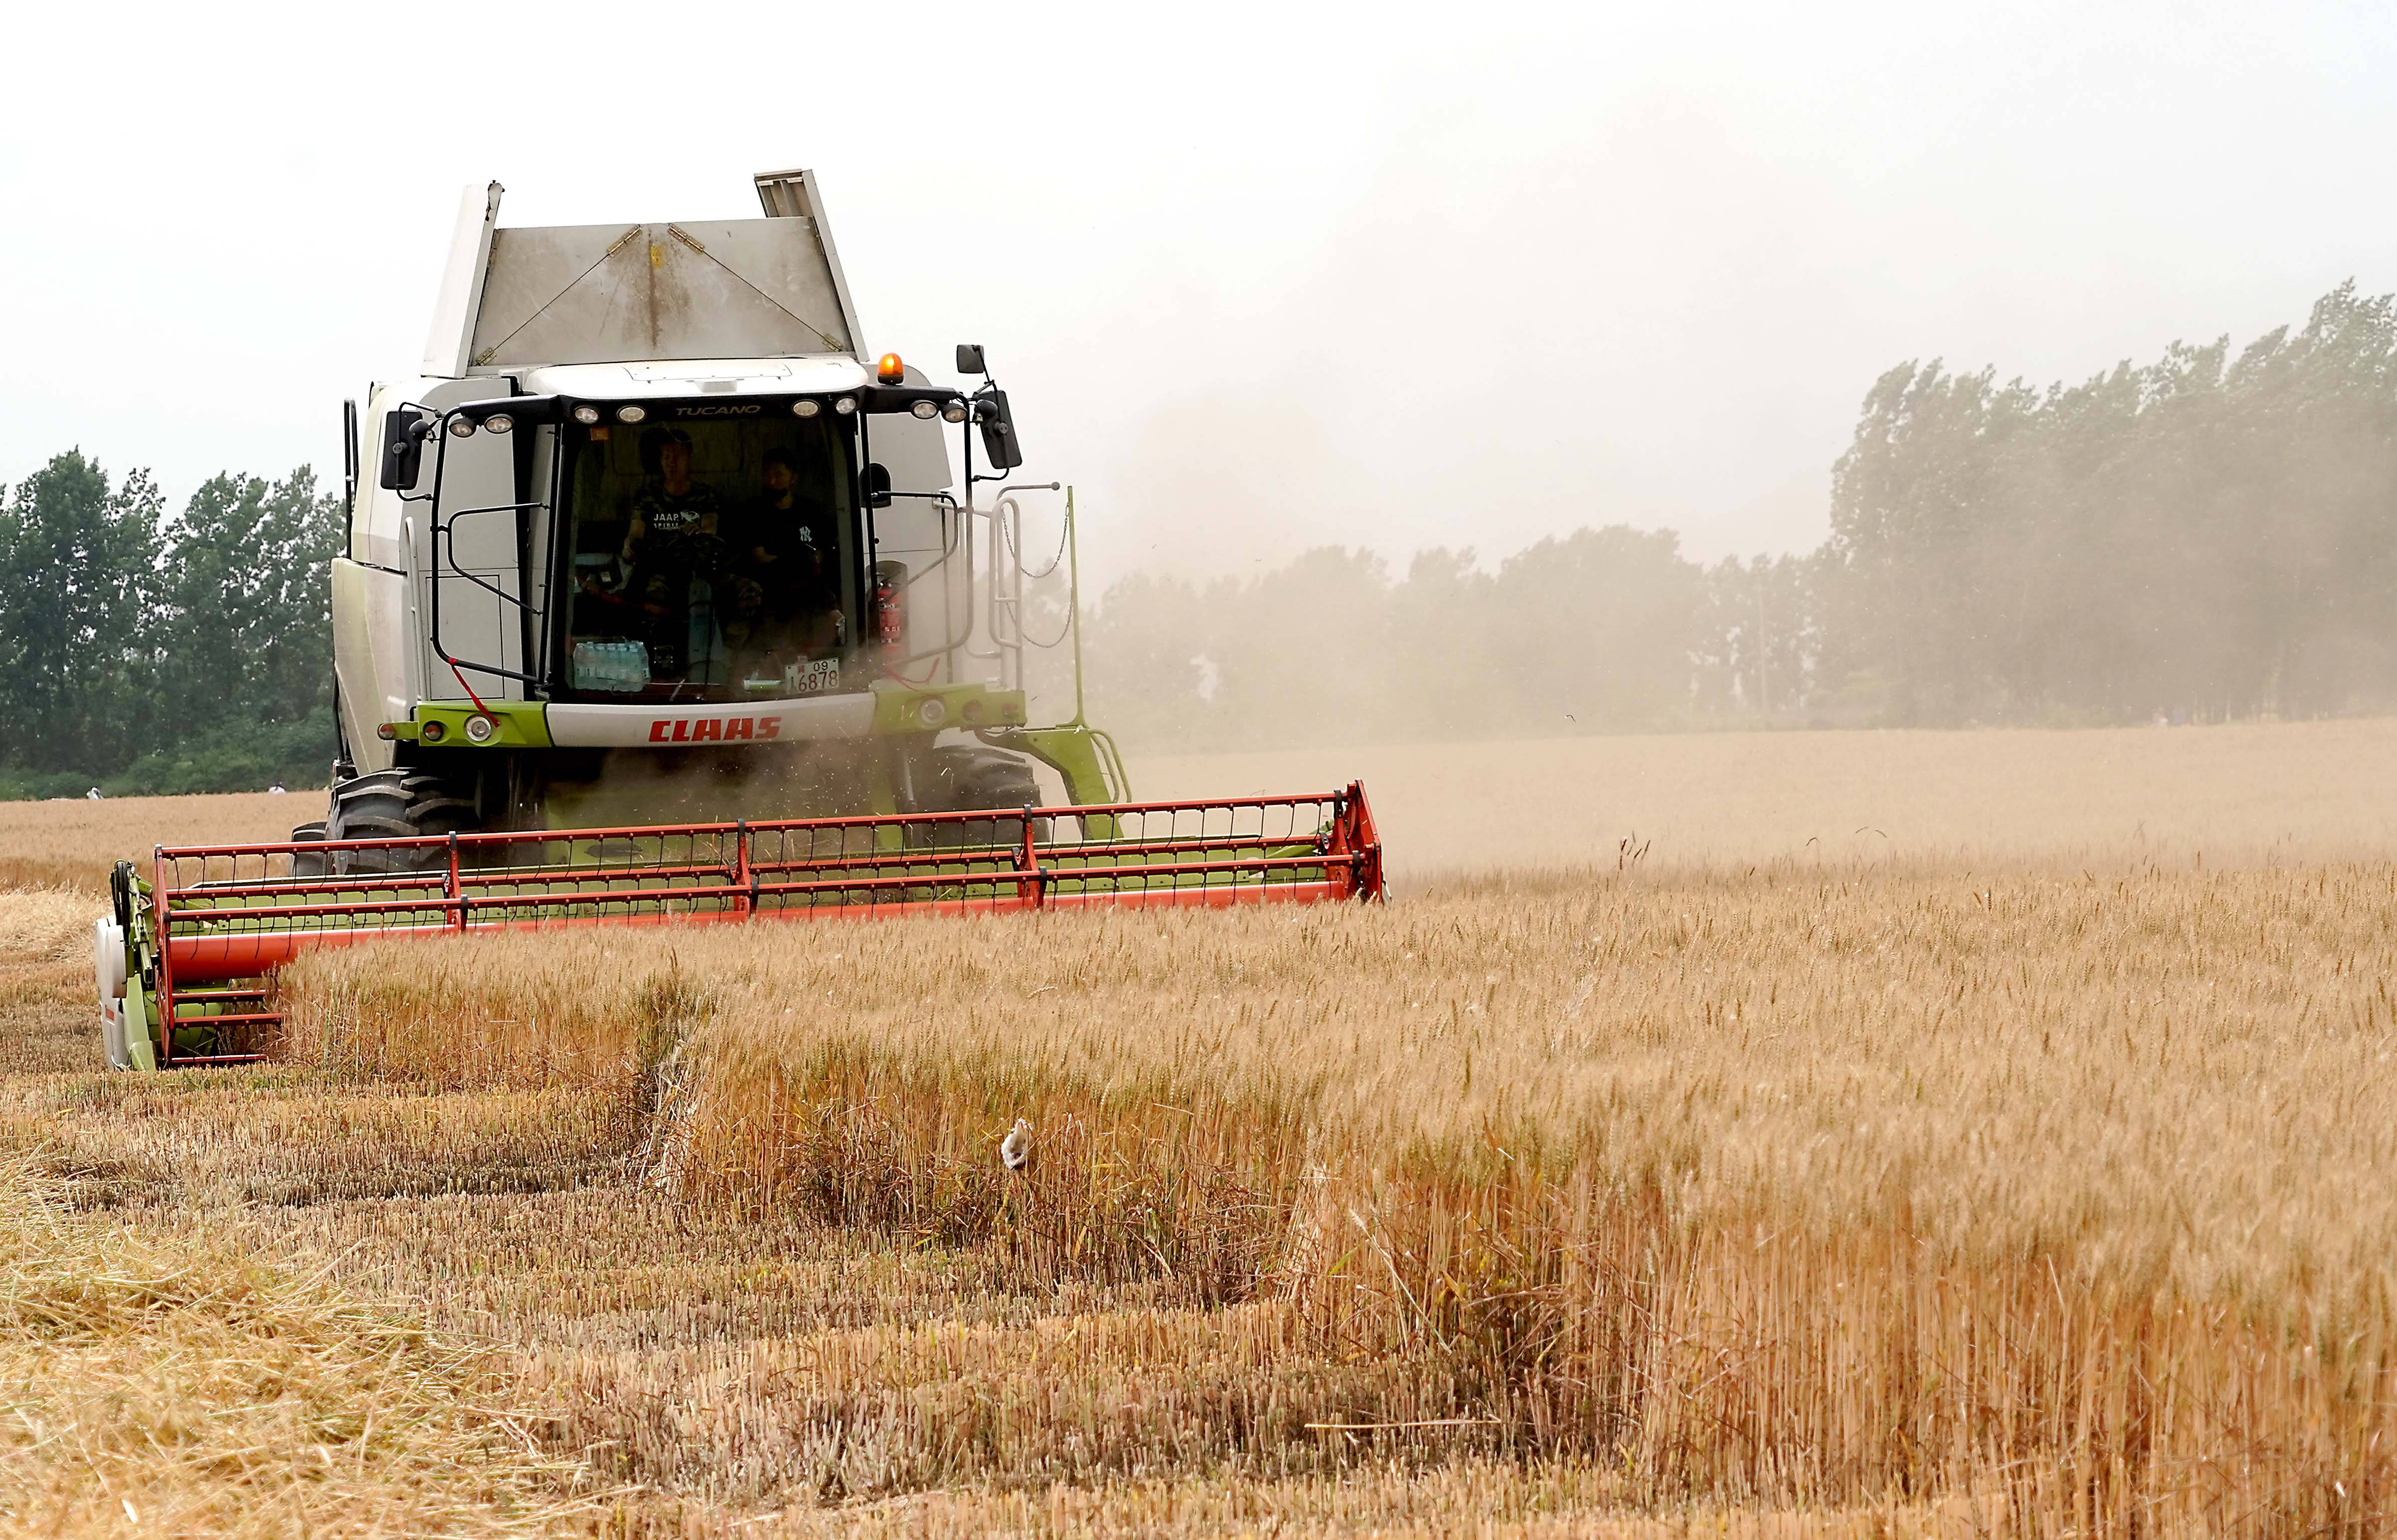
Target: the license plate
pixel 820 677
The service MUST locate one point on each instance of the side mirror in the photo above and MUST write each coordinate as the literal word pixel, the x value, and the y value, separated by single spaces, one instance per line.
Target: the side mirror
pixel 998 443
pixel 404 432
pixel 970 359
pixel 878 484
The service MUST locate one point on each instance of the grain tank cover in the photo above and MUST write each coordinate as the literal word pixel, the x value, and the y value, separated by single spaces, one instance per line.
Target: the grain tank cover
pixel 518 299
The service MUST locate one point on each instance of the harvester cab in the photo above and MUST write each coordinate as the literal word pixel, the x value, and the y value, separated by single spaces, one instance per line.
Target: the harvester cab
pixel 654 532
pixel 664 598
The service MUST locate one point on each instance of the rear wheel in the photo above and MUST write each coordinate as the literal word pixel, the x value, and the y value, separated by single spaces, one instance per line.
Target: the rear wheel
pixel 398 805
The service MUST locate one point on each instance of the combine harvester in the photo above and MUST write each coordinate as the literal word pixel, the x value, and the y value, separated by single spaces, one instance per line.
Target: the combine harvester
pixel 662 605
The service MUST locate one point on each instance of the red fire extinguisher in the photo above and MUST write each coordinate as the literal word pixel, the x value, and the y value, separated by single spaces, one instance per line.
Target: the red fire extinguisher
pixel 890 609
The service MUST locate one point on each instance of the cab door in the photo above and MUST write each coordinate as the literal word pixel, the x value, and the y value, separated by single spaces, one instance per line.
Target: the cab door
pixel 474 551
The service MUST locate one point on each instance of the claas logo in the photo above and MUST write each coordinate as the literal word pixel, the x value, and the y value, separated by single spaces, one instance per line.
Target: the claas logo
pixel 714 729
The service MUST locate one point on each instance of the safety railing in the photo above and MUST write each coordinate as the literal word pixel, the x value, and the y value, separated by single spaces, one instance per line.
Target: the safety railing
pixel 238 911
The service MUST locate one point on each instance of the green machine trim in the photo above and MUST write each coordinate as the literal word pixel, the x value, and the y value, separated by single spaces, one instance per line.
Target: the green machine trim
pixel 1086 758
pixel 900 707
pixel 520 724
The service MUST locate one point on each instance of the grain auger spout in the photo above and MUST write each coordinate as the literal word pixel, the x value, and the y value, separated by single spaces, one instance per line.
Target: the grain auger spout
pixel 187 959
pixel 666 600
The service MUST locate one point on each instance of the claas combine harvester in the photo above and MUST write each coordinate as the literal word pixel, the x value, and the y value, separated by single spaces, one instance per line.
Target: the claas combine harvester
pixel 664 603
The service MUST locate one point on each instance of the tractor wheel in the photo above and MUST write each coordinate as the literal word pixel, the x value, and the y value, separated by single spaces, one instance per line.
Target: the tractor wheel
pixel 968 777
pixel 309 863
pixel 397 804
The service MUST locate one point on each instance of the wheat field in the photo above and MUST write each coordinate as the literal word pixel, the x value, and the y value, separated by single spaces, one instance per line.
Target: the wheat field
pixel 2015 1159
pixel 73 842
pixel 2231 796
pixel 2238 794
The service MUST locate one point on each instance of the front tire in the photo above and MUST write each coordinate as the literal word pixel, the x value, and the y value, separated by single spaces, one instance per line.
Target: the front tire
pixel 971 777
pixel 309 863
pixel 398 805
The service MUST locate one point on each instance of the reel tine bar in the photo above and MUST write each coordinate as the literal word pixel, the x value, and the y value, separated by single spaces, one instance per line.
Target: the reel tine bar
pixel 226 912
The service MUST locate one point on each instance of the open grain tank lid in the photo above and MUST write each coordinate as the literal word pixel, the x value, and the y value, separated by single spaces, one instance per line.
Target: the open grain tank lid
pixel 515 299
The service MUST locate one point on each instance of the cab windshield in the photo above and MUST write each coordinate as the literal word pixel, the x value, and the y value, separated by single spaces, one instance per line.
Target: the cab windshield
pixel 709 558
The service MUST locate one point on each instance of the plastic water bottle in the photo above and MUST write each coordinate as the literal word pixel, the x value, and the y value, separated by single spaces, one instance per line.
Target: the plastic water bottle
pixel 621 666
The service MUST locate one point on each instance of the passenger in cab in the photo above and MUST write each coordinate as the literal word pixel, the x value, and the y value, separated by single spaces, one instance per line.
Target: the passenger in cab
pixel 787 545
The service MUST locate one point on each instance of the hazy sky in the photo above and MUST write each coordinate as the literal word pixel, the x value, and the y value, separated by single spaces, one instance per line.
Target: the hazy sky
pixel 1255 278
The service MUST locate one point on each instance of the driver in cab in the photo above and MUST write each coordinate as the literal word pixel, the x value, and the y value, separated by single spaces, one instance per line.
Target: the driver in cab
pixel 671 529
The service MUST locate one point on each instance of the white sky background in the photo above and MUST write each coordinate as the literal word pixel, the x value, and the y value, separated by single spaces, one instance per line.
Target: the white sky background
pixel 1255 278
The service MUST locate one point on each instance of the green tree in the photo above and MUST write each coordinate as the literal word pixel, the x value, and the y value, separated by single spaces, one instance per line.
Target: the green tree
pixel 1602 626
pixel 248 601
pixel 79 564
pixel 1142 668
pixel 1302 652
pixel 2201 536
pixel 1758 637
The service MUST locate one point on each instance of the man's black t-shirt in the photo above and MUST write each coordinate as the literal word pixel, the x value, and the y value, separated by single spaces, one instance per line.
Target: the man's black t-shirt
pixel 801 569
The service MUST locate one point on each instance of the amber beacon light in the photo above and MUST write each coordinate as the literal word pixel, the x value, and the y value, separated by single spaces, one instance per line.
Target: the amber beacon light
pixel 889 371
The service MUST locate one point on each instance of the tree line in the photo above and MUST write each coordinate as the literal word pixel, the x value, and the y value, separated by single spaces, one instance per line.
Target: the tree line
pixel 2208 536
pixel 148 652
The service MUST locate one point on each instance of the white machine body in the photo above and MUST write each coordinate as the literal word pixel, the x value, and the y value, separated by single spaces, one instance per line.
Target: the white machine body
pixel 706 327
